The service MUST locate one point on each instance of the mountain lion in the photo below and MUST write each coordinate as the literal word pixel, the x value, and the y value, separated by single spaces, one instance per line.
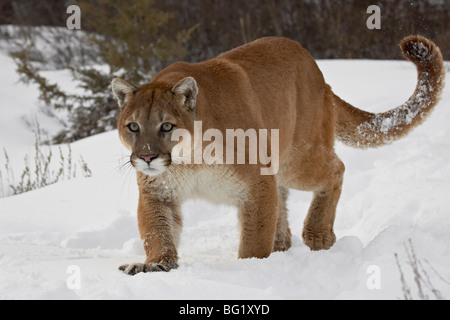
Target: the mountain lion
pixel 271 83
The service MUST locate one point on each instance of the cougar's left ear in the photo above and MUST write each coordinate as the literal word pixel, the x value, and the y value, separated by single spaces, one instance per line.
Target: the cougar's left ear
pixel 188 88
pixel 122 91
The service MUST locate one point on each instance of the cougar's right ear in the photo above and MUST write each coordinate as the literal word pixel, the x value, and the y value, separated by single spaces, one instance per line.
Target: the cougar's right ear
pixel 188 88
pixel 122 91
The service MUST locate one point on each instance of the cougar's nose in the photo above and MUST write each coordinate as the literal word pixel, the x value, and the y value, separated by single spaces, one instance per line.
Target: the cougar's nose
pixel 148 157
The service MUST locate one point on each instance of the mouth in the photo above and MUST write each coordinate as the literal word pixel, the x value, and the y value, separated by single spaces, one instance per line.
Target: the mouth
pixel 153 168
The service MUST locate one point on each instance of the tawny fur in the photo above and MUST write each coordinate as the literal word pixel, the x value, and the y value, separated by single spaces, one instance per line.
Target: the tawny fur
pixel 271 83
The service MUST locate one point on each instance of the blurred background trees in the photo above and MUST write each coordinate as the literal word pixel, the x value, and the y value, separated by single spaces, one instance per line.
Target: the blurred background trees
pixel 136 39
pixel 128 39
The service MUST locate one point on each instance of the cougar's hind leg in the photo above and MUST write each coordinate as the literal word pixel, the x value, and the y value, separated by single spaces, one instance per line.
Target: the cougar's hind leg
pixel 283 233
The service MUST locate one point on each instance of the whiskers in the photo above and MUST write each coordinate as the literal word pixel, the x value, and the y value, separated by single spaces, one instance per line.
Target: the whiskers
pixel 124 166
pixel 124 172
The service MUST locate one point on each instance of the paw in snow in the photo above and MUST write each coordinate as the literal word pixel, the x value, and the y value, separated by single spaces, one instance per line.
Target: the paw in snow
pixel 282 242
pixel 135 268
pixel 318 239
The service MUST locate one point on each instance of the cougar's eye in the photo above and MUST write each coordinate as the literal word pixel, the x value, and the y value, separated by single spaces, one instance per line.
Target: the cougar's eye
pixel 134 127
pixel 167 127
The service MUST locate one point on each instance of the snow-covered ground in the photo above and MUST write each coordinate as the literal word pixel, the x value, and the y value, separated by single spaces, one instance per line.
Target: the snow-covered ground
pixel 83 229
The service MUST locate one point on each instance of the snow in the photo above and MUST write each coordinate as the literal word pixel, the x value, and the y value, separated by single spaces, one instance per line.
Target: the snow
pixel 85 228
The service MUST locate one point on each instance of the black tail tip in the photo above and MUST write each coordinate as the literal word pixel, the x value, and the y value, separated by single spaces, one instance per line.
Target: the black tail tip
pixel 418 49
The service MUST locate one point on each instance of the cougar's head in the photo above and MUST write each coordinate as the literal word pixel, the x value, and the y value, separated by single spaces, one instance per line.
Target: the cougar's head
pixel 149 115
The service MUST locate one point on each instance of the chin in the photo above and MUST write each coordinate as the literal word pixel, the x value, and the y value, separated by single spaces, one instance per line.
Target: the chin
pixel 152 172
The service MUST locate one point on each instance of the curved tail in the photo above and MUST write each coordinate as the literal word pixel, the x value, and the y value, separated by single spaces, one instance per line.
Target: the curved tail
pixel 363 129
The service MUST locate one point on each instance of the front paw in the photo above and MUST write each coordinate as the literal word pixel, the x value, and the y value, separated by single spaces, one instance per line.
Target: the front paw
pixel 135 268
pixel 282 241
pixel 318 240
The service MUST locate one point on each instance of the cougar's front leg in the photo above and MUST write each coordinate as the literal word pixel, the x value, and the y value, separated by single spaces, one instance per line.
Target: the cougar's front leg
pixel 159 226
pixel 318 231
pixel 283 235
pixel 258 219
